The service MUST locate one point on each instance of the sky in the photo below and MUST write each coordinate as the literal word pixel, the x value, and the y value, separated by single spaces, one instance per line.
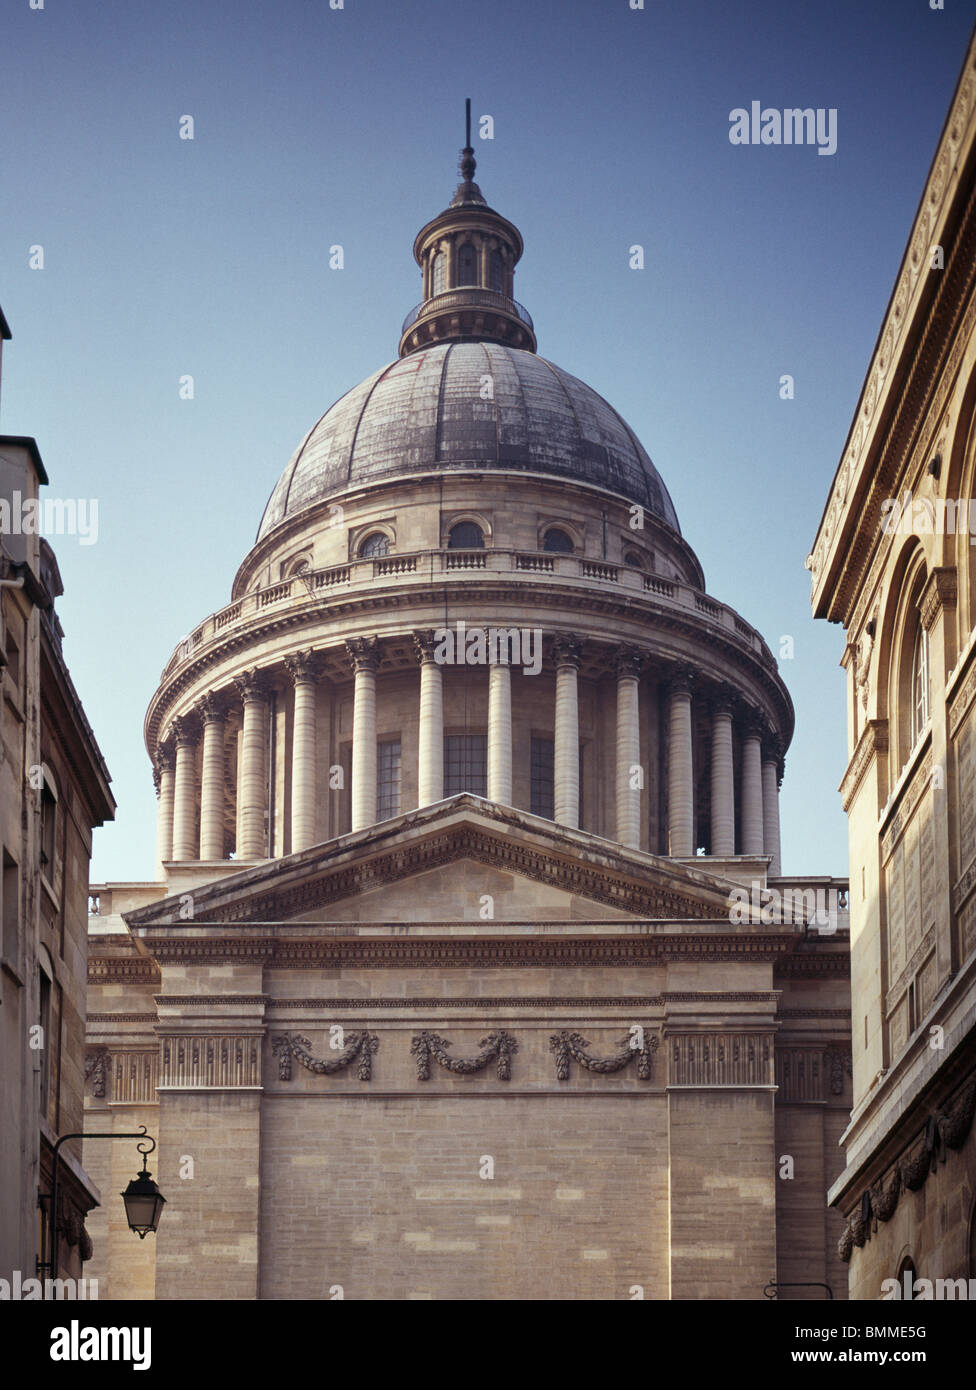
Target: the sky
pixel 315 126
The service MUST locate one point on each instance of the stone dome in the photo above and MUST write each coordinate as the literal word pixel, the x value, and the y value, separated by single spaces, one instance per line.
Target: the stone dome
pixel 426 412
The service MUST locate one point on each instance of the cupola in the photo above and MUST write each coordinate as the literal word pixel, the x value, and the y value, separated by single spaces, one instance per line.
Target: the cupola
pixel 467 257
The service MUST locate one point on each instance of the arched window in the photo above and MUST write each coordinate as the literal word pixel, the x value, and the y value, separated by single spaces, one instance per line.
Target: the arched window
pixel 438 274
pixel 374 546
pixel 557 541
pixel 467 265
pixel 632 558
pixel 466 535
pixel 921 689
pixel 496 272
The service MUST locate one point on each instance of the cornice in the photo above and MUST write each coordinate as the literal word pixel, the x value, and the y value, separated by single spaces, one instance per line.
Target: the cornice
pixel 913 287
pixel 464 953
pixel 587 867
pixel 503 589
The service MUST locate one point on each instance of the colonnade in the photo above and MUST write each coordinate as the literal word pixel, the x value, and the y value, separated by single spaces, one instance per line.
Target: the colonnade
pixel 181 837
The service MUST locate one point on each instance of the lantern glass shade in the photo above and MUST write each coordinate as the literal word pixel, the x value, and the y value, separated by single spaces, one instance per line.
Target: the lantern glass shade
pixel 143 1205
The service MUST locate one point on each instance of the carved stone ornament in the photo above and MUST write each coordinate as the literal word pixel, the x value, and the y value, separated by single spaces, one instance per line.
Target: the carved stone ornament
pixel 285 1046
pixel 572 1046
pixel 499 1047
pixel 954 1124
pixel 915 1170
pixel 885 1199
pixel 838 1062
pixel 96 1063
pixel 845 1246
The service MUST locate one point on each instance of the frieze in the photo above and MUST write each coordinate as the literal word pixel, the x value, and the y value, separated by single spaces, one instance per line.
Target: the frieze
pixel 356 1046
pixel 721 1059
pixel 540 1001
pixel 461 953
pixel 497 1047
pixel 135 1075
pixel 111 969
pixel 219 1060
pixel 567 1046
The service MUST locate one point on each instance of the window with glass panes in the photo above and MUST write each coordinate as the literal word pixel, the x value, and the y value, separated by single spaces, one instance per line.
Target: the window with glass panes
pixel 466 764
pixel 388 779
pixel 542 778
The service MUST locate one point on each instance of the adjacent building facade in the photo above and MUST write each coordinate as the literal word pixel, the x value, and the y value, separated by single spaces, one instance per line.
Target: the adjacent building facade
pixel 893 562
pixel 54 788
pixel 469 970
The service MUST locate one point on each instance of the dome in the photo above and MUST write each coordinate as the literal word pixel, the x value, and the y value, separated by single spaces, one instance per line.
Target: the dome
pixel 428 412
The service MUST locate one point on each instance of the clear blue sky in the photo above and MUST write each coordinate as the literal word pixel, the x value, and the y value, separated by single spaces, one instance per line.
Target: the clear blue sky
pixel 315 126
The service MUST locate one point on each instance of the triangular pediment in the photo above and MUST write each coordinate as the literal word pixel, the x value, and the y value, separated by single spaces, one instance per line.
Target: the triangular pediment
pixel 438 864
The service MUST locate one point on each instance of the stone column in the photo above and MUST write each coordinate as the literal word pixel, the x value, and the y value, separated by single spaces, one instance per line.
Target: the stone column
pixel 254 767
pixel 752 796
pixel 770 795
pixel 681 786
pixel 304 746
pixel 628 665
pixel 430 743
pixel 212 781
pixel 500 734
pixel 566 656
pixel 165 787
pixel 722 779
pixel 364 652
pixel 186 734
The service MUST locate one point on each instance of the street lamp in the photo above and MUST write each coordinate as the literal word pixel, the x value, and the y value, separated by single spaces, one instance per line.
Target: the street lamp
pixel 143 1199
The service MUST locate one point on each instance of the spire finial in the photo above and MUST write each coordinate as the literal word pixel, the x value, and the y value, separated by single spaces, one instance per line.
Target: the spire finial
pixel 467 166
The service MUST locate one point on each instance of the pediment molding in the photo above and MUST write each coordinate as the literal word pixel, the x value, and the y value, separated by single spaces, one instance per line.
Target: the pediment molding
pixel 594 870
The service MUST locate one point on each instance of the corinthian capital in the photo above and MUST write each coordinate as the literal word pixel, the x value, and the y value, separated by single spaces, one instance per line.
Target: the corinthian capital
pixel 364 653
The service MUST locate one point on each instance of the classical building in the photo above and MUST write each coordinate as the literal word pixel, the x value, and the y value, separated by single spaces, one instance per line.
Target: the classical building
pixel 53 791
pixel 893 562
pixel 444 988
